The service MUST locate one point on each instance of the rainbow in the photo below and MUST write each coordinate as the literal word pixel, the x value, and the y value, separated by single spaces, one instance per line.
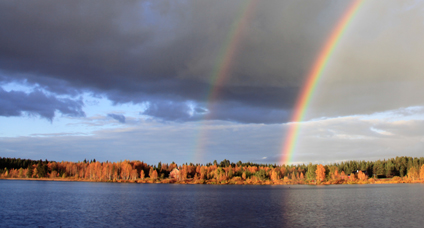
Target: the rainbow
pixel 223 65
pixel 312 80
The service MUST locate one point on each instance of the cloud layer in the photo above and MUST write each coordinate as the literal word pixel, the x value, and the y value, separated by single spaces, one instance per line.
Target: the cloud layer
pixel 16 103
pixel 167 51
pixel 321 141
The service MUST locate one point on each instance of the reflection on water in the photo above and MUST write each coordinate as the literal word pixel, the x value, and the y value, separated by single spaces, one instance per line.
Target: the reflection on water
pixel 85 204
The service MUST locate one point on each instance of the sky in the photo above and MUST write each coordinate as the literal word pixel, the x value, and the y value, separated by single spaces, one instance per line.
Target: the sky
pixel 200 80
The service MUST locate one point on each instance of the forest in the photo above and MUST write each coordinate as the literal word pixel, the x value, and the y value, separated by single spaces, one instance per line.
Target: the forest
pixel 394 170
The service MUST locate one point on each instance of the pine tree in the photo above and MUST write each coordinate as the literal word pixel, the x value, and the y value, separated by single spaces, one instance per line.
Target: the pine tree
pixel 29 172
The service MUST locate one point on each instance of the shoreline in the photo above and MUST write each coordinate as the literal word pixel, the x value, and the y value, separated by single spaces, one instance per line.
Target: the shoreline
pixel 214 182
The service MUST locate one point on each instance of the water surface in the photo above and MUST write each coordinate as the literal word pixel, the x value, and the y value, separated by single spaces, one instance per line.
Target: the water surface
pixel 86 204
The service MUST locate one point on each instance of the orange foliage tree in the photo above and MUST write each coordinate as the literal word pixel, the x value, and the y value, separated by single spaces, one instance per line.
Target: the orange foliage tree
pixel 320 173
pixel 142 174
pixel 154 175
pixel 422 172
pixel 361 176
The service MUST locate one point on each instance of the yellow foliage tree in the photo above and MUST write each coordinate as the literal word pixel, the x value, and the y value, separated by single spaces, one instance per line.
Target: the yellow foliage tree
pixel 422 172
pixel 413 173
pixel 320 173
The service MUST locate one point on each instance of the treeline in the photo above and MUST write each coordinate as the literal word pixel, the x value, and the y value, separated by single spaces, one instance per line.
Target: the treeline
pixel 17 163
pixel 400 169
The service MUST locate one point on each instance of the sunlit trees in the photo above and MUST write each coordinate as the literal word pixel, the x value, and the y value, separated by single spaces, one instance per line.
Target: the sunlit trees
pixel 21 173
pixel 126 169
pixel 142 174
pixel 334 172
pixel 320 173
pixel 225 173
pixel 175 174
pixel 230 172
pixel 243 176
pixel 422 172
pixel 275 175
pixel 413 173
pixel 310 174
pixel 203 172
pixel 282 171
pixel 53 174
pixel 107 171
pixel 133 174
pixel 220 174
pixel 361 176
pixel 29 171
pixel 154 175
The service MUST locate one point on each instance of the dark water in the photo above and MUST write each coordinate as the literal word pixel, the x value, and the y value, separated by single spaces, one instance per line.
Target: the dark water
pixel 83 204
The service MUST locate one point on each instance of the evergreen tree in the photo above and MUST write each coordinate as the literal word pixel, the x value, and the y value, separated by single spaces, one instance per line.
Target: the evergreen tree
pixel 29 172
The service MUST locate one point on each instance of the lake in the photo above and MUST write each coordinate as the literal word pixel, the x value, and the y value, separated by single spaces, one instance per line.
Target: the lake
pixel 85 204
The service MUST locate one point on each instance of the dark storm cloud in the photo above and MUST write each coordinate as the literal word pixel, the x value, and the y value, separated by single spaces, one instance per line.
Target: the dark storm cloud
pixel 118 117
pixel 16 103
pixel 138 51
pixel 169 111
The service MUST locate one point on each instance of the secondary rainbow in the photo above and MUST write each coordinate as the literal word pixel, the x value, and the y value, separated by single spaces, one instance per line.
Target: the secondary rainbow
pixel 223 66
pixel 312 80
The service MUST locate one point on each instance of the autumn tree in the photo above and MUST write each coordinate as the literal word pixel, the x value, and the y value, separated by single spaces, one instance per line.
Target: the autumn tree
pixel 21 173
pixel 154 175
pixel 243 176
pixel 53 174
pixel 150 172
pixel 29 171
pixel 320 173
pixel 142 174
pixel 133 174
pixel 422 172
pixel 310 174
pixel 361 176
pixel 126 169
pixel 274 174
pixel 413 173
pixel 334 172
pixel 282 171
pixel 203 172
pixel 230 172
pixel 352 177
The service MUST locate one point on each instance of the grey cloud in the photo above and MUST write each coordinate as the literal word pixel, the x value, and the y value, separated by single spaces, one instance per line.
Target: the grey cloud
pixel 246 142
pixel 146 143
pixel 352 138
pixel 228 111
pixel 138 51
pixel 16 103
pixel 169 111
pixel 118 117
pixel 142 50
pixel 377 65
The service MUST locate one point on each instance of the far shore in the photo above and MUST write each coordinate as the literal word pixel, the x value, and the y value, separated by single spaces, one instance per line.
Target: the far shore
pixel 395 180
